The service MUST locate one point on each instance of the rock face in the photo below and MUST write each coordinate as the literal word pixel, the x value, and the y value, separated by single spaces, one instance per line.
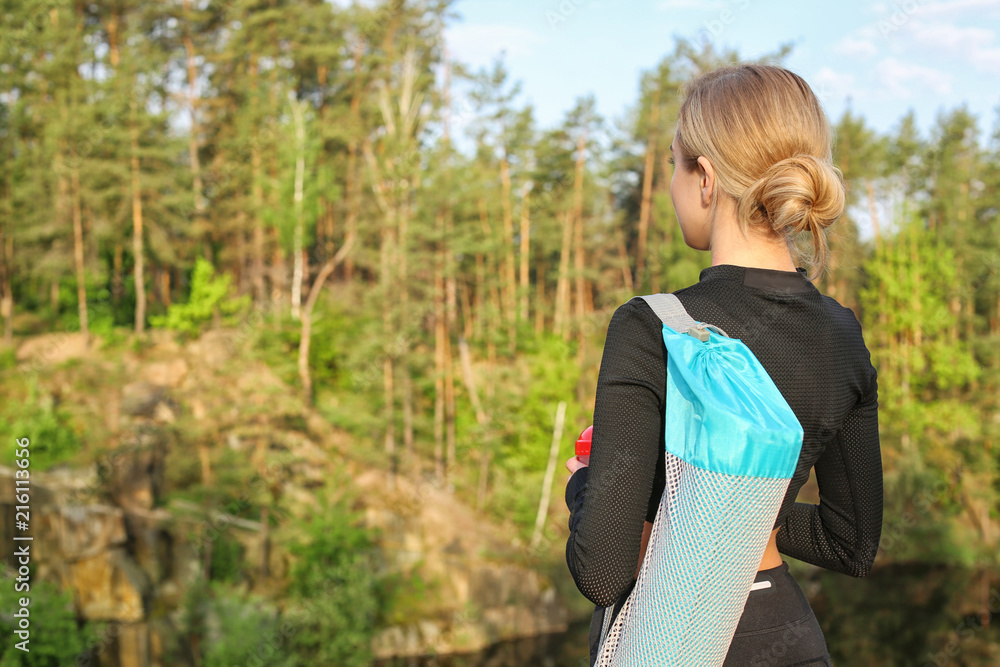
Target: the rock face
pixel 485 599
pixel 101 533
pixel 81 546
pixel 90 548
pixel 122 561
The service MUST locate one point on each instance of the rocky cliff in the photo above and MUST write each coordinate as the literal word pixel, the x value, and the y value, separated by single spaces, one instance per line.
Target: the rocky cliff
pixel 109 530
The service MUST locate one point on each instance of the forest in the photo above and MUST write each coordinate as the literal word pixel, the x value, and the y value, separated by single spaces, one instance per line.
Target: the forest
pixel 430 269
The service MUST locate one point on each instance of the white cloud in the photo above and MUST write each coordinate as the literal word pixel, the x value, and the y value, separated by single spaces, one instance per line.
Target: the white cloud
pixel 951 37
pixel 987 60
pixel 831 86
pixel 855 47
pixel 944 10
pixel 480 44
pixel 976 46
pixel 893 75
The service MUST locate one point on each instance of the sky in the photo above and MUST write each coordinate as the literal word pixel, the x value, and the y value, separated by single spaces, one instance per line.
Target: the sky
pixel 880 58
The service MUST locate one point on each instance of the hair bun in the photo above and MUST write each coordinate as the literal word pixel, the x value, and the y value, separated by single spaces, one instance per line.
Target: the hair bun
pixel 800 193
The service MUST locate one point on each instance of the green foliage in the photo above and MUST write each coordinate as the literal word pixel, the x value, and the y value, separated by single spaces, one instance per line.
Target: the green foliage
pixel 407 596
pixel 51 616
pixel 524 410
pixel 208 293
pixel 932 426
pixel 335 592
pixel 194 610
pixel 242 628
pixel 434 225
pixel 330 337
pixel 941 624
pixel 276 342
pixel 227 558
pixel 8 358
pixel 41 419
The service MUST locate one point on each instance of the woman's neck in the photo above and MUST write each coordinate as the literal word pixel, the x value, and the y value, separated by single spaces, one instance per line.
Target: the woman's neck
pixel 729 246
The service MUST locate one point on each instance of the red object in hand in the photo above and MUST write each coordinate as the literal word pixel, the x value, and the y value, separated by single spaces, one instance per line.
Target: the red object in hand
pixel 583 442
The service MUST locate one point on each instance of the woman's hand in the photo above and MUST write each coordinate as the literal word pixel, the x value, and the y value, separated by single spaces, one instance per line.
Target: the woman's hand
pixel 576 463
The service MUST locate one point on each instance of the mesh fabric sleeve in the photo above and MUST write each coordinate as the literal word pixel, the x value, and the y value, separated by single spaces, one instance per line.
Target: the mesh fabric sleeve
pixel 609 501
pixel 842 532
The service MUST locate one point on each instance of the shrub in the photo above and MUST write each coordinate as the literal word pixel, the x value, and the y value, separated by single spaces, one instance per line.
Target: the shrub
pixel 208 292
pixel 55 638
pixel 336 593
pixel 39 419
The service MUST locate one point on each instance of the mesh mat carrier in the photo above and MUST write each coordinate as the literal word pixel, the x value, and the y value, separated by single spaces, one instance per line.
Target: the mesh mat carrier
pixel 732 443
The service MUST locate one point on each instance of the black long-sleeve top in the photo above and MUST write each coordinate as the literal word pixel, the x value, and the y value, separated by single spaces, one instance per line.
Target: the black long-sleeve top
pixel 812 347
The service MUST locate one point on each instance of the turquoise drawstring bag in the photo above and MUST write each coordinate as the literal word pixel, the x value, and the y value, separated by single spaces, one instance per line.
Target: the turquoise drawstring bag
pixel 732 444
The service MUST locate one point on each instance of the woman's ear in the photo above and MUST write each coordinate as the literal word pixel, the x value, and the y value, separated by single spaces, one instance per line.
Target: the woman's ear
pixel 706 180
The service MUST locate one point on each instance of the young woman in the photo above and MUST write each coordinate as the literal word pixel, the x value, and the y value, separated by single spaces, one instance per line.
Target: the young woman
pixel 753 172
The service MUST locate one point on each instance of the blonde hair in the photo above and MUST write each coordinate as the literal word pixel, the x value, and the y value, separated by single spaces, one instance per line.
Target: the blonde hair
pixel 767 136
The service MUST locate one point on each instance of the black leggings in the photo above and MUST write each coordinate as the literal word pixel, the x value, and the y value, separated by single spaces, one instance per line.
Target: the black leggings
pixel 777 628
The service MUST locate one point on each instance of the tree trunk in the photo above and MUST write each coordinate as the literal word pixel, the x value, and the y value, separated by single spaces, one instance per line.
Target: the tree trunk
pixel 482 418
pixel 279 276
pixel 258 204
pixel 449 386
pixel 403 290
pixel 483 265
pixel 387 361
pixel 647 190
pixel 477 311
pixel 165 286
pixel 353 190
pixel 449 282
pixel 561 325
pixel 524 285
pixel 540 308
pixel 623 260
pixel 451 323
pixel 578 258
pixel 324 224
pixel 137 245
pixel 195 131
pixel 440 332
pixel 242 261
pixel 81 278
pixel 467 324
pixel 306 317
pixel 390 417
pixel 509 280
pixel 495 320
pixel 300 168
pixel 550 471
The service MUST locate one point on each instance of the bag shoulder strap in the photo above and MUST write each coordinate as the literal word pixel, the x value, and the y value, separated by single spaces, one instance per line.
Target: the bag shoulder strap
pixel 671 312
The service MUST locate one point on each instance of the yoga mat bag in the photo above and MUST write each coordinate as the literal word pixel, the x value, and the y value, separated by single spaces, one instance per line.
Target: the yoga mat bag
pixel 732 444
